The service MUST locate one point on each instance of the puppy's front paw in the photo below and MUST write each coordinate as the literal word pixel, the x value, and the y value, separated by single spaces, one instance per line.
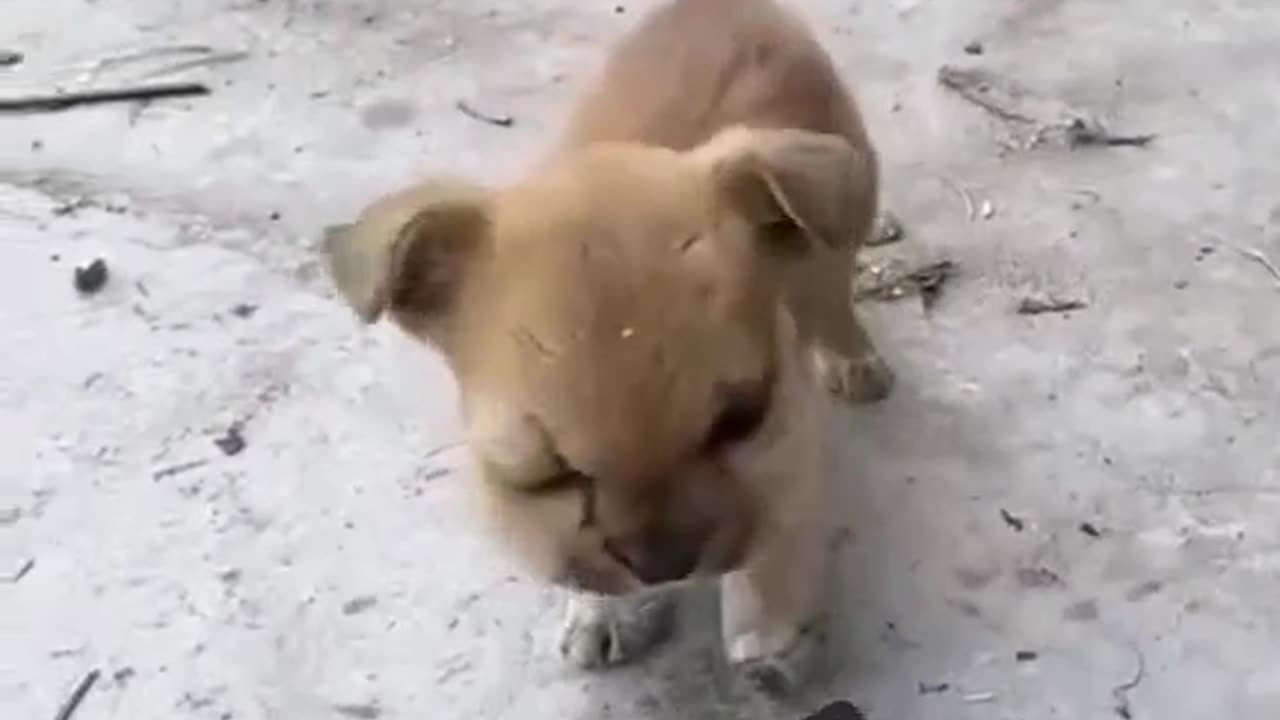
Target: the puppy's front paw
pixel 602 632
pixel 861 380
pixel 775 663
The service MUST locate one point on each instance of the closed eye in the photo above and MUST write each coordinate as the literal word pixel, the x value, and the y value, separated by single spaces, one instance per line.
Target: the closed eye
pixel 563 480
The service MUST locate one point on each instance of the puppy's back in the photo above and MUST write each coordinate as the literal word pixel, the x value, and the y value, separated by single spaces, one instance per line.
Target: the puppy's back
pixel 693 67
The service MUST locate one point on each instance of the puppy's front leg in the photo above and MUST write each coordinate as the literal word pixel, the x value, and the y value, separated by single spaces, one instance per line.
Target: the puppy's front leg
pixel 603 631
pixel 771 609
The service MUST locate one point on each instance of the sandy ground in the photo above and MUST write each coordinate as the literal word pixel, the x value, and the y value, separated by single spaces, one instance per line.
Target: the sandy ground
pixel 1067 515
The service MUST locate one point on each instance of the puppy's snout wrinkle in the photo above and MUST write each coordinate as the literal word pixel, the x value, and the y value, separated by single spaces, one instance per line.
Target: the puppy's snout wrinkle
pixel 656 560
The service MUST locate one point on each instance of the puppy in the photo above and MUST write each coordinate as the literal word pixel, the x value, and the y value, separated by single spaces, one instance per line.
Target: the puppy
pixel 648 329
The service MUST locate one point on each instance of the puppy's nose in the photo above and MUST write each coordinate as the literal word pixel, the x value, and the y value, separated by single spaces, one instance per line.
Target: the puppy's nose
pixel 655 562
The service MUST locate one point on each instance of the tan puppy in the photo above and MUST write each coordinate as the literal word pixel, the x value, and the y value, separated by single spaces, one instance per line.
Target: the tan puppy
pixel 641 328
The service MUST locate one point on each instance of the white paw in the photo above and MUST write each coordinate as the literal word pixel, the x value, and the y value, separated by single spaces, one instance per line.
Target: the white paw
pixel 602 632
pixel 775 663
pixel 861 380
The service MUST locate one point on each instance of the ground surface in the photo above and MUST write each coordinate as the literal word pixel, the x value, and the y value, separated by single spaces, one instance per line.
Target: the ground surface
pixel 325 569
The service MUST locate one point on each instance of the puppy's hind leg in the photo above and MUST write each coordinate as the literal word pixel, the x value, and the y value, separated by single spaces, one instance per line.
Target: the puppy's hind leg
pixel 604 631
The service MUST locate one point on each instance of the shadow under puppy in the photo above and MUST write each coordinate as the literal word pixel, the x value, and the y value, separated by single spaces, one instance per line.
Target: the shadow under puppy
pixel 648 329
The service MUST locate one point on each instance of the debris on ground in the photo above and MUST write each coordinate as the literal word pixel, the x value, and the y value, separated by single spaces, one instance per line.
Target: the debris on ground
pixel 1090 529
pixel 357 605
pixel 367 711
pixel 924 688
pixel 1038 577
pixel 178 469
pixel 77 696
pixel 1121 692
pixel 1013 521
pixel 985 90
pixel 21 572
pixel 9 58
pixel 231 442
pixel 499 120
pixel 886 231
pixel 1083 133
pixel 244 310
pixel 1257 256
pixel 974 48
pixel 970 207
pixel 987 210
pixel 89 279
pixel 1045 119
pixel 889 283
pixel 838 710
pixel 210 58
pixel 1026 656
pixel 1042 304
pixel 54 102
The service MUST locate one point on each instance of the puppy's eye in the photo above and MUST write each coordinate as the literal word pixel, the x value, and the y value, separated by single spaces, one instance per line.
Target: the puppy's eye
pixel 740 418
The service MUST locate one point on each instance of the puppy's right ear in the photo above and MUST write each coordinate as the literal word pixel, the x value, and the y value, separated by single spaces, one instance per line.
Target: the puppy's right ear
pixel 409 252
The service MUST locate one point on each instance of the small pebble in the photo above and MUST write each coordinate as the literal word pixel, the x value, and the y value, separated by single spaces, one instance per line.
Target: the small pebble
pixel 974 48
pixel 91 278
pixel 1026 655
pixel 231 442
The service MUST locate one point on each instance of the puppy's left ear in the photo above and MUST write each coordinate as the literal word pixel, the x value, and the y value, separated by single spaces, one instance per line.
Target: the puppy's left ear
pixel 798 187
pixel 409 253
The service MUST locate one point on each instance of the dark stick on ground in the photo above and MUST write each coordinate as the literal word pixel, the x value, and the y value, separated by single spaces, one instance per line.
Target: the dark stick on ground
pixel 77 696
pixel 1042 305
pixel 1084 134
pixel 21 572
pixel 54 102
pixel 474 114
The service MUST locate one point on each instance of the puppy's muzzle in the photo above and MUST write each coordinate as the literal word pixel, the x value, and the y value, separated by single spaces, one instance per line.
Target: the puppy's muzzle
pixel 658 558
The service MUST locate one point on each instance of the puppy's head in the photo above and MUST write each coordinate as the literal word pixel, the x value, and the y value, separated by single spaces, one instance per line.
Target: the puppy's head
pixel 617 330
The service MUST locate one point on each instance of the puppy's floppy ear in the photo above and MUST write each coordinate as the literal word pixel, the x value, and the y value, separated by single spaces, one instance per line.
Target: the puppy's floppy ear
pixel 800 187
pixel 409 252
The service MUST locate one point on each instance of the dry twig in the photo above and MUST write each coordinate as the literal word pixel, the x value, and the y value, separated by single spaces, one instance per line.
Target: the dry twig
pixel 1121 691
pixel 474 114
pixel 1261 258
pixel 62 101
pixel 1039 305
pixel 77 696
pixel 21 572
pixel 970 210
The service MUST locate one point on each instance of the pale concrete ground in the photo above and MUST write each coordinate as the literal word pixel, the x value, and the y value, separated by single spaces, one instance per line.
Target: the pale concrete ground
pixel 327 570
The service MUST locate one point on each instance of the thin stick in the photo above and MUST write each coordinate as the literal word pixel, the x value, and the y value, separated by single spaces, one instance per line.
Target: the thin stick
pixel 63 101
pixel 21 572
pixel 1121 692
pixel 474 114
pixel 1261 258
pixel 971 86
pixel 77 696
pixel 969 209
pixel 220 58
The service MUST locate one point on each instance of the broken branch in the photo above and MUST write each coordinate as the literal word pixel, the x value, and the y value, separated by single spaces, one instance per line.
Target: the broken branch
pixel 77 696
pixel 62 101
pixel 474 114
